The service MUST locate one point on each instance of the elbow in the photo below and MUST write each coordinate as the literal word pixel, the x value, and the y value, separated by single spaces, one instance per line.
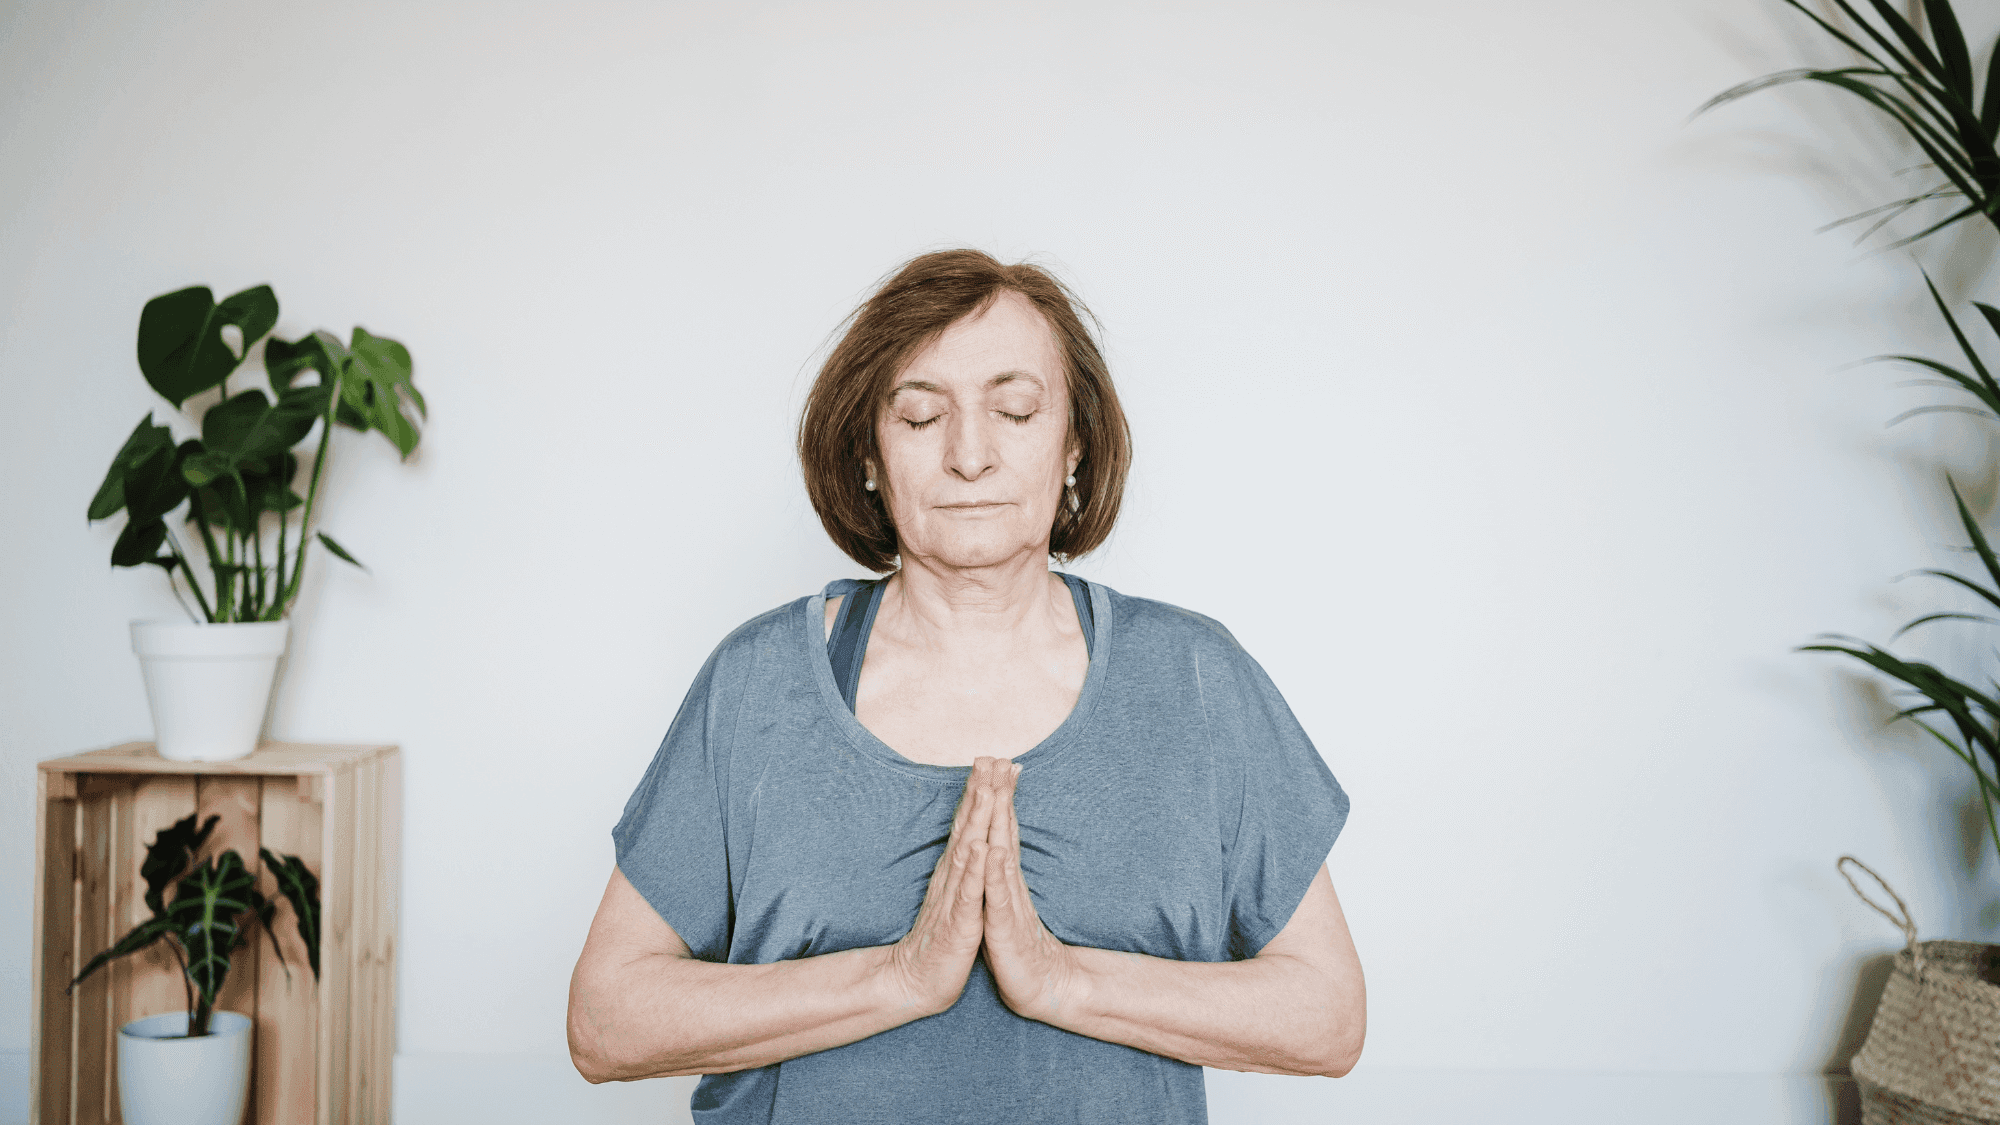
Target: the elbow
pixel 585 1052
pixel 1342 1041
pixel 1340 1059
pixel 593 1047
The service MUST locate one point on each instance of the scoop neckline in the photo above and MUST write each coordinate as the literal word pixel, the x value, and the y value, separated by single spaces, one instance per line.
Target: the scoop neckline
pixel 813 613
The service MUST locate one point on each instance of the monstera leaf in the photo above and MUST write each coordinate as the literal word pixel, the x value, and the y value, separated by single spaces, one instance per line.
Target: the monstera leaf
pixel 182 351
pixel 376 367
pixel 300 888
pixel 145 480
pixel 285 362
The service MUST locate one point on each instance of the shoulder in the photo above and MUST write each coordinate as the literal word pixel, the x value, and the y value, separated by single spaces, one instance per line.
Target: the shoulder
pixel 1153 622
pixel 772 633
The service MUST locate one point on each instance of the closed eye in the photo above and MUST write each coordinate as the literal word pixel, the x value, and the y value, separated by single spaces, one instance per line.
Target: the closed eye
pixel 1021 419
pixel 920 425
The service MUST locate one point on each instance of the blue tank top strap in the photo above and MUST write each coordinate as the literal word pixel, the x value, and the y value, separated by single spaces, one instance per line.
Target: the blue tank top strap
pixel 1079 591
pixel 849 639
pixel 848 642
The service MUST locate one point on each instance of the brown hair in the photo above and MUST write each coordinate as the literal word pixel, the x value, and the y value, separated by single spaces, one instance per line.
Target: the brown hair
pixel 928 294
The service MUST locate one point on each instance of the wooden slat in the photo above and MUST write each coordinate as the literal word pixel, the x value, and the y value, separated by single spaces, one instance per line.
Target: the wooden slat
pixel 286 758
pixel 95 1096
pixel 285 1092
pixel 388 864
pixel 149 982
pixel 49 1066
pixel 337 949
pixel 367 904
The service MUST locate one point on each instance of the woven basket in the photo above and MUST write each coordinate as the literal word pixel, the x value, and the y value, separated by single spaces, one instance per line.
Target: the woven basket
pixel 1932 1056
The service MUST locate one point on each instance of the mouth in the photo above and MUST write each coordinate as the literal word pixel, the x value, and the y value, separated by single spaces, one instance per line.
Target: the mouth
pixel 973 506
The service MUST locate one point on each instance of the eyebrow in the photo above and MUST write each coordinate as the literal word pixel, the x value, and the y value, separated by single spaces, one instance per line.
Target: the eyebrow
pixel 997 380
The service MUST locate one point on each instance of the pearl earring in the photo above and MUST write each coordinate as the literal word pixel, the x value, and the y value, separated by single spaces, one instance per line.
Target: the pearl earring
pixel 870 486
pixel 1070 480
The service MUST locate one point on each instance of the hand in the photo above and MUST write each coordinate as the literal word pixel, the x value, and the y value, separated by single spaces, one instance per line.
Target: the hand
pixel 1037 975
pixel 928 967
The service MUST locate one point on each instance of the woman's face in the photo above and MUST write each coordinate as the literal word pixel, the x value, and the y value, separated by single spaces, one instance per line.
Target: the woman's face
pixel 975 437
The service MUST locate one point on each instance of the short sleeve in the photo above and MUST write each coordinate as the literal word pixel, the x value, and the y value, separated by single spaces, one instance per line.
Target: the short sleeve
pixel 1279 805
pixel 671 841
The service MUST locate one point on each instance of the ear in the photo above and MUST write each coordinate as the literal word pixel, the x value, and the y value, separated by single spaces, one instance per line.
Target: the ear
pixel 1075 456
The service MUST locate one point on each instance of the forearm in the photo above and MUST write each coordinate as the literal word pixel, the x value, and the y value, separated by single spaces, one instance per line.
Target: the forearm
pixel 657 1014
pixel 1272 1014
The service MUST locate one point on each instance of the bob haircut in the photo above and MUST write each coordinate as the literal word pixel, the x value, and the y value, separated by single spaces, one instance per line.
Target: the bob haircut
pixel 912 308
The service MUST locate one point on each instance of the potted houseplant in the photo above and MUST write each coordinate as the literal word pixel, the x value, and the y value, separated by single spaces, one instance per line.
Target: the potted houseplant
pixel 193 1067
pixel 209 681
pixel 1919 71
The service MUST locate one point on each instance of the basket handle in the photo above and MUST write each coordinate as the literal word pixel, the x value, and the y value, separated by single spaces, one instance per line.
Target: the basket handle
pixel 1904 923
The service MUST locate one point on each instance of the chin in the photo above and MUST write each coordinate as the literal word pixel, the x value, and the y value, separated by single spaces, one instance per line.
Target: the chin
pixel 978 547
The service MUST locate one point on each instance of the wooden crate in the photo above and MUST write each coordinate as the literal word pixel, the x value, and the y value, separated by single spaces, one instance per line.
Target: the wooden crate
pixel 322 1053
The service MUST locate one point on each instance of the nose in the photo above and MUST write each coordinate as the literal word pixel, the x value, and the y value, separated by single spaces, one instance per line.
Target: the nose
pixel 968 453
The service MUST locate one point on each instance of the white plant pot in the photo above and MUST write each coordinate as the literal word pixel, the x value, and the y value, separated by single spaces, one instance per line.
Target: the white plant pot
pixel 209 685
pixel 181 1081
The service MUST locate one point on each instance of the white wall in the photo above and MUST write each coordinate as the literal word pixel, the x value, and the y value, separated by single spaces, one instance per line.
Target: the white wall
pixel 1493 405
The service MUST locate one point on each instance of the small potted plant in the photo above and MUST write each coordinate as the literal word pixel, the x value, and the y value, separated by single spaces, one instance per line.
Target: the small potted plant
pixel 193 1067
pixel 209 681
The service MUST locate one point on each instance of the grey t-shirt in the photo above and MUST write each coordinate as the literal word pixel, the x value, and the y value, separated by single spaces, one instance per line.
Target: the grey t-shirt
pixel 1179 811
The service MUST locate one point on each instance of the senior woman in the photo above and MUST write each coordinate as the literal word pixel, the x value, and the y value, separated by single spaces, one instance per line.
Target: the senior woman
pixel 979 841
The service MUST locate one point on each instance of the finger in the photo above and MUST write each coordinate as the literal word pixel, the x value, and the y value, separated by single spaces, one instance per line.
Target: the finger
pixel 1013 817
pixel 996 831
pixel 999 894
pixel 970 892
pixel 981 824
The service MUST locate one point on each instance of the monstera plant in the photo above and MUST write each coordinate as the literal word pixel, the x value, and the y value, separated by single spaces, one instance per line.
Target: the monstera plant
pixel 242 466
pixel 215 902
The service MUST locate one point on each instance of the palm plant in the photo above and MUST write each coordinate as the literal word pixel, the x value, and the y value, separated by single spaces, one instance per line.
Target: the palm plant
pixel 1927 87
pixel 214 902
pixel 1973 712
pixel 241 467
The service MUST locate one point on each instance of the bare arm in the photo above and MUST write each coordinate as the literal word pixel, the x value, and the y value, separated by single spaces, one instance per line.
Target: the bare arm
pixel 641 1005
pixel 1298 1007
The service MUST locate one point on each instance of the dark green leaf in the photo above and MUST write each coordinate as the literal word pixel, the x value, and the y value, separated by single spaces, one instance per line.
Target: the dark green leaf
pixel 139 542
pixel 250 426
pixel 1912 39
pixel 154 486
pixel 207 911
pixel 1989 106
pixel 170 854
pixel 320 352
pixel 377 368
pixel 338 549
pixel 145 440
pixel 145 934
pixel 1990 596
pixel 204 468
pixel 1977 536
pixel 300 888
pixel 272 491
pixel 1930 617
pixel 1951 48
pixel 181 347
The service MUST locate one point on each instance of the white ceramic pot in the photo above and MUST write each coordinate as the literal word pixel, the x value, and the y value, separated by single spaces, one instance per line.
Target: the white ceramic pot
pixel 209 685
pixel 182 1081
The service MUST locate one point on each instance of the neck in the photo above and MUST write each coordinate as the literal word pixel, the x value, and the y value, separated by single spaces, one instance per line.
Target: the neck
pixel 937 604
